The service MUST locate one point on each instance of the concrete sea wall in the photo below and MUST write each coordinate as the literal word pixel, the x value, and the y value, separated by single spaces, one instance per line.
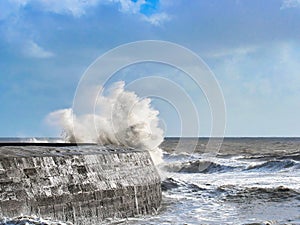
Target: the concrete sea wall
pixel 83 185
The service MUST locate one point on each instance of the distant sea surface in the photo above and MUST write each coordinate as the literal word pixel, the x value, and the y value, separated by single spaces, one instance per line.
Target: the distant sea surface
pixel 249 181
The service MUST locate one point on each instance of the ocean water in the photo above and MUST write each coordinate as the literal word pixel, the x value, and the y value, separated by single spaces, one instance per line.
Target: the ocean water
pixel 249 181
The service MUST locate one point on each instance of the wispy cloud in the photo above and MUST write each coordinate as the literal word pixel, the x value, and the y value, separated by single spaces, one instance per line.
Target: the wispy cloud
pixel 7 8
pixel 290 4
pixel 32 49
pixel 238 51
pixel 128 6
pixel 15 29
pixel 76 8
pixel 157 19
pixel 146 9
pixel 272 69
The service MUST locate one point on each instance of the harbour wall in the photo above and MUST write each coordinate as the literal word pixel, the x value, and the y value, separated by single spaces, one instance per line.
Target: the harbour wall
pixel 83 184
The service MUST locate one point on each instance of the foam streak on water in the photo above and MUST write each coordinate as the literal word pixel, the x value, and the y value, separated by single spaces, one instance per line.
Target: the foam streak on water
pixel 30 220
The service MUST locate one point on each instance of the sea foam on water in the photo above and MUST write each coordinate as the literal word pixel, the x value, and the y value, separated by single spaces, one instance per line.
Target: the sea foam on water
pixel 120 118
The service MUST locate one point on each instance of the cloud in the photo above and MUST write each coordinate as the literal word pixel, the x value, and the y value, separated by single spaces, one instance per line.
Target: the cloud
pixel 238 51
pixel 7 8
pixel 128 6
pixel 32 49
pixel 14 28
pixel 271 71
pixel 286 4
pixel 157 19
pixel 148 10
pixel 260 89
pixel 76 8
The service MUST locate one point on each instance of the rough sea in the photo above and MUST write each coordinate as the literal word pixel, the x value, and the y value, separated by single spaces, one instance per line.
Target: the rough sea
pixel 249 181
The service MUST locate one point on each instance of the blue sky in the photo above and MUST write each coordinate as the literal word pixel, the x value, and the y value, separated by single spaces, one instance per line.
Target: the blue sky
pixel 252 46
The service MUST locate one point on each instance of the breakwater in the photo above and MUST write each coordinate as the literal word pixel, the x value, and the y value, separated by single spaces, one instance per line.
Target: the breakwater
pixel 82 184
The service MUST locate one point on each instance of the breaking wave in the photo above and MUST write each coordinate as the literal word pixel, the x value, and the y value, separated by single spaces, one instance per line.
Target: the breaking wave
pixel 274 165
pixel 172 183
pixel 192 165
pixel 197 166
pixel 29 220
pixel 121 118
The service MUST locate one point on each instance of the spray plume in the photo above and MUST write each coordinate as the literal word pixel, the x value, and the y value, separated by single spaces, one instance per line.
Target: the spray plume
pixel 121 118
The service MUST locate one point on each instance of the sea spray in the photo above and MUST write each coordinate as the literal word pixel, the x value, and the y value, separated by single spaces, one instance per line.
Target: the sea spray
pixel 120 118
pixel 30 220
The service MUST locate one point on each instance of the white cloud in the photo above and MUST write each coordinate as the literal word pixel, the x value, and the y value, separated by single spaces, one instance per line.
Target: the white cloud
pixel 261 88
pixel 290 4
pixel 75 8
pixel 157 19
pixel 15 30
pixel 78 8
pixel 273 69
pixel 32 49
pixel 129 6
pixel 19 2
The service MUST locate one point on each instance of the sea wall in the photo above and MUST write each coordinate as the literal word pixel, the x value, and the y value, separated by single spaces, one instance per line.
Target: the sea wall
pixel 83 185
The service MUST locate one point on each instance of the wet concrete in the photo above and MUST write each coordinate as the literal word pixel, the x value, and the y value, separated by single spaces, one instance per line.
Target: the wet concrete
pixel 82 184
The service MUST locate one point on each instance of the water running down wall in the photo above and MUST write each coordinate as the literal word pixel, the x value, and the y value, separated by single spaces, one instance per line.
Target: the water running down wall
pixel 83 185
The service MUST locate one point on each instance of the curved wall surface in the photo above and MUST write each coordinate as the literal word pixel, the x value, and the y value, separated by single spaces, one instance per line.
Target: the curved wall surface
pixel 83 185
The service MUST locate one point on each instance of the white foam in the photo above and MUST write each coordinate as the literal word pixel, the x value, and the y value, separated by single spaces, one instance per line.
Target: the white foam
pixel 30 220
pixel 120 118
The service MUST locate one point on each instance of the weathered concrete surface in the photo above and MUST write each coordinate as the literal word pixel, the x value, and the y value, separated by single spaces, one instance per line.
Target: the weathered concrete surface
pixel 82 185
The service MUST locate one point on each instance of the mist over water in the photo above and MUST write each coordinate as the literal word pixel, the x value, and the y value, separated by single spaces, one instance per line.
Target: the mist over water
pixel 120 118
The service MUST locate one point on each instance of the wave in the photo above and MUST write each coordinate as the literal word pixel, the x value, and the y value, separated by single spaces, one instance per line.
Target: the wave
pixel 271 156
pixel 268 222
pixel 249 194
pixel 234 193
pixel 35 140
pixel 294 156
pixel 183 156
pixel 274 165
pixel 185 163
pixel 171 183
pixel 120 118
pixel 29 220
pixel 197 166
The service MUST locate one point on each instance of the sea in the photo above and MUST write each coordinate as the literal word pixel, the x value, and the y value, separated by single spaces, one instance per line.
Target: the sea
pixel 248 181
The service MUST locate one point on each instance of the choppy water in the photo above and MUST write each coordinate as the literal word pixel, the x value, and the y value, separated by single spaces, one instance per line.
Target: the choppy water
pixel 250 181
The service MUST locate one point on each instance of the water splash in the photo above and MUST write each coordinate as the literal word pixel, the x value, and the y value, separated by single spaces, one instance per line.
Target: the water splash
pixel 30 220
pixel 120 118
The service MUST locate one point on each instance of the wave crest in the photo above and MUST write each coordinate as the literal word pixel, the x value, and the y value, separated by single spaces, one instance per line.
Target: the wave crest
pixel 274 165
pixel 197 166
pixel 120 118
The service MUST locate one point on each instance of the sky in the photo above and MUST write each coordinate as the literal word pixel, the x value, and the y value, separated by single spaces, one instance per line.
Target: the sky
pixel 252 47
